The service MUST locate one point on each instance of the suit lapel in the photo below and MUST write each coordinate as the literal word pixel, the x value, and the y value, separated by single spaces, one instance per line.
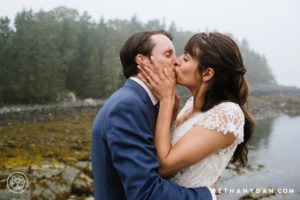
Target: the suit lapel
pixel 143 95
pixel 139 90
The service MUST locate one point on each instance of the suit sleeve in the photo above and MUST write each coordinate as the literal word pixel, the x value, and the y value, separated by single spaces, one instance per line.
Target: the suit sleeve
pixel 134 157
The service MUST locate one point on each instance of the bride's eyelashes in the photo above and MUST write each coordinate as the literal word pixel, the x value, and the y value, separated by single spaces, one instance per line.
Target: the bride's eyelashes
pixel 185 57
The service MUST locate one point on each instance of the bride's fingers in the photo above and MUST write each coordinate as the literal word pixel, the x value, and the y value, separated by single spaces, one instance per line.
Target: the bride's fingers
pixel 148 71
pixel 170 75
pixel 147 82
pixel 157 67
pixel 150 80
pixel 144 74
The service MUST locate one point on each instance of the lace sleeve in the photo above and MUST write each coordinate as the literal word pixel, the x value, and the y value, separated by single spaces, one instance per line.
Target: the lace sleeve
pixel 225 118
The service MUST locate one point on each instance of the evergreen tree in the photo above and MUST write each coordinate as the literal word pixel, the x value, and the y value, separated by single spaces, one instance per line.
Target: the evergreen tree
pixel 49 53
pixel 7 77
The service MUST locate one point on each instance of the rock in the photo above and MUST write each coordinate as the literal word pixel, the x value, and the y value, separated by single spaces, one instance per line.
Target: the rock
pixel 10 144
pixel 69 174
pixel 82 185
pixel 84 166
pixel 4 110
pixel 74 197
pixel 89 102
pixel 71 97
pixel 59 182
pixel 6 194
pixel 51 181
pixel 44 172
pixel 260 194
pixel 49 189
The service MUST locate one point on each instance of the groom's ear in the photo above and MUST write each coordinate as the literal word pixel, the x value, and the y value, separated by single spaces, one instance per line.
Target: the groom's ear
pixel 142 60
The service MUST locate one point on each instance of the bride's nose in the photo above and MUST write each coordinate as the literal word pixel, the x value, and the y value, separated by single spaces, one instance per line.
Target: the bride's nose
pixel 176 62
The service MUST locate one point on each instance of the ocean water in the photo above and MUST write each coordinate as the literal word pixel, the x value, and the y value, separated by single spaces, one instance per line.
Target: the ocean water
pixel 274 158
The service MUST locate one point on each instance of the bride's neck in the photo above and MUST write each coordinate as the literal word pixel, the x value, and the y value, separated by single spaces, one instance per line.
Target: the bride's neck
pixel 199 96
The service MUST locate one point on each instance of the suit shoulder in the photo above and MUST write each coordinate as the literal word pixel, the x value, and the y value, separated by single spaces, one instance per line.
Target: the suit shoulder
pixel 125 98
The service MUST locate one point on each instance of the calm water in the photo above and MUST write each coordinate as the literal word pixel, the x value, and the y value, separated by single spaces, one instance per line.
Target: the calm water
pixel 274 157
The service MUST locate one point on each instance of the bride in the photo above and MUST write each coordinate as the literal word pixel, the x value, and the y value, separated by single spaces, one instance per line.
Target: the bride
pixel 214 126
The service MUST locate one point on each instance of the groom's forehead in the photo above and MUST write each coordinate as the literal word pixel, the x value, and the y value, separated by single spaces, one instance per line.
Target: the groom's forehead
pixel 162 43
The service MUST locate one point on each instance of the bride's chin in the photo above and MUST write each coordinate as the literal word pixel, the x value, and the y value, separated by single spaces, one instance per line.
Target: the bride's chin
pixel 178 82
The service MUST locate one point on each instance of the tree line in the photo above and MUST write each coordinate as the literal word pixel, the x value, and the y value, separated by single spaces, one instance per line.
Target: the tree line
pixel 44 55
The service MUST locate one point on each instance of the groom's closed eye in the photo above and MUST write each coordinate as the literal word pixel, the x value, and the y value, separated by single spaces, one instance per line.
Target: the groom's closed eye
pixel 169 53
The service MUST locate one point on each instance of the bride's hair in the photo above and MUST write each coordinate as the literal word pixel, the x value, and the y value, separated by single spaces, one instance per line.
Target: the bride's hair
pixel 220 52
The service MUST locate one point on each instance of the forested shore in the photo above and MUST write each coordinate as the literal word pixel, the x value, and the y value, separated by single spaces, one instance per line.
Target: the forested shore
pixel 46 54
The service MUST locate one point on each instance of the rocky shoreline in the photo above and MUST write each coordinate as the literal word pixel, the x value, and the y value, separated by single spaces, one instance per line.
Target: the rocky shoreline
pixel 265 101
pixel 261 107
pixel 22 114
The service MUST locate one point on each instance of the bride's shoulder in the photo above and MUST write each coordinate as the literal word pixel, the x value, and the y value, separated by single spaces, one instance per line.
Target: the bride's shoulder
pixel 226 117
pixel 228 113
pixel 226 107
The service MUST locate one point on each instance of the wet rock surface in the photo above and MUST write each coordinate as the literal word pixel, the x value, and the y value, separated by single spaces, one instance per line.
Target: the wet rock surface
pixel 54 154
pixel 50 181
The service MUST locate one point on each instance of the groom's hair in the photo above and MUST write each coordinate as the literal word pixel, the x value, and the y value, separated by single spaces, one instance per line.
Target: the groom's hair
pixel 138 43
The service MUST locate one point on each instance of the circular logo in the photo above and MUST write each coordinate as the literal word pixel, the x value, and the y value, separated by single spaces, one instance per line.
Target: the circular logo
pixel 17 182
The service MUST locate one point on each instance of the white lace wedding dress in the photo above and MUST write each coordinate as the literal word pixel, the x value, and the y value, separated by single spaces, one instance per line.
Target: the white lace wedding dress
pixel 225 117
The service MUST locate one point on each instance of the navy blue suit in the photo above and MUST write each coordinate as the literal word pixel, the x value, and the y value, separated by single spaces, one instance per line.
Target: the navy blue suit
pixel 123 154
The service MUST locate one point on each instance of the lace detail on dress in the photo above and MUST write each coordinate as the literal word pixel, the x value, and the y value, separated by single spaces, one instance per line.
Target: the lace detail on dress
pixel 226 117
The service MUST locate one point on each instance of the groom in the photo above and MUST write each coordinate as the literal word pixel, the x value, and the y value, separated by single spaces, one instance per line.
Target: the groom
pixel 123 153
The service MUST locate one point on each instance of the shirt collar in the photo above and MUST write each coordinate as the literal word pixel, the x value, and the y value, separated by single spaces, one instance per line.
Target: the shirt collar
pixel 150 94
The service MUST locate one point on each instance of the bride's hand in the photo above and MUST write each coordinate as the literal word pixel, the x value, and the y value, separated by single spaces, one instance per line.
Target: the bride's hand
pixel 160 80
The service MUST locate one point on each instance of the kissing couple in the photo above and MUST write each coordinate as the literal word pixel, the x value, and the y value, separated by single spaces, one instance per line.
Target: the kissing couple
pixel 143 148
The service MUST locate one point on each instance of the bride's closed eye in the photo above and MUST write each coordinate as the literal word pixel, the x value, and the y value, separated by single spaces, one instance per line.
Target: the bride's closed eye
pixel 185 58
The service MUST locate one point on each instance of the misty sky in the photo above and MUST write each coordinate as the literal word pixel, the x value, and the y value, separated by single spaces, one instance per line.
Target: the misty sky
pixel 272 27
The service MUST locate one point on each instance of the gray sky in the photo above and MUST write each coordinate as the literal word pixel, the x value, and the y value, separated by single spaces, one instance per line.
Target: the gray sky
pixel 272 27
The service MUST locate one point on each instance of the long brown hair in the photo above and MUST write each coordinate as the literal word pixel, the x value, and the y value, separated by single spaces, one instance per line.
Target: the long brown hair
pixel 220 52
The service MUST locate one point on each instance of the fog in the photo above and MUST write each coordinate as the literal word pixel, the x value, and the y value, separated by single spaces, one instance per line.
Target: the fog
pixel 271 27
